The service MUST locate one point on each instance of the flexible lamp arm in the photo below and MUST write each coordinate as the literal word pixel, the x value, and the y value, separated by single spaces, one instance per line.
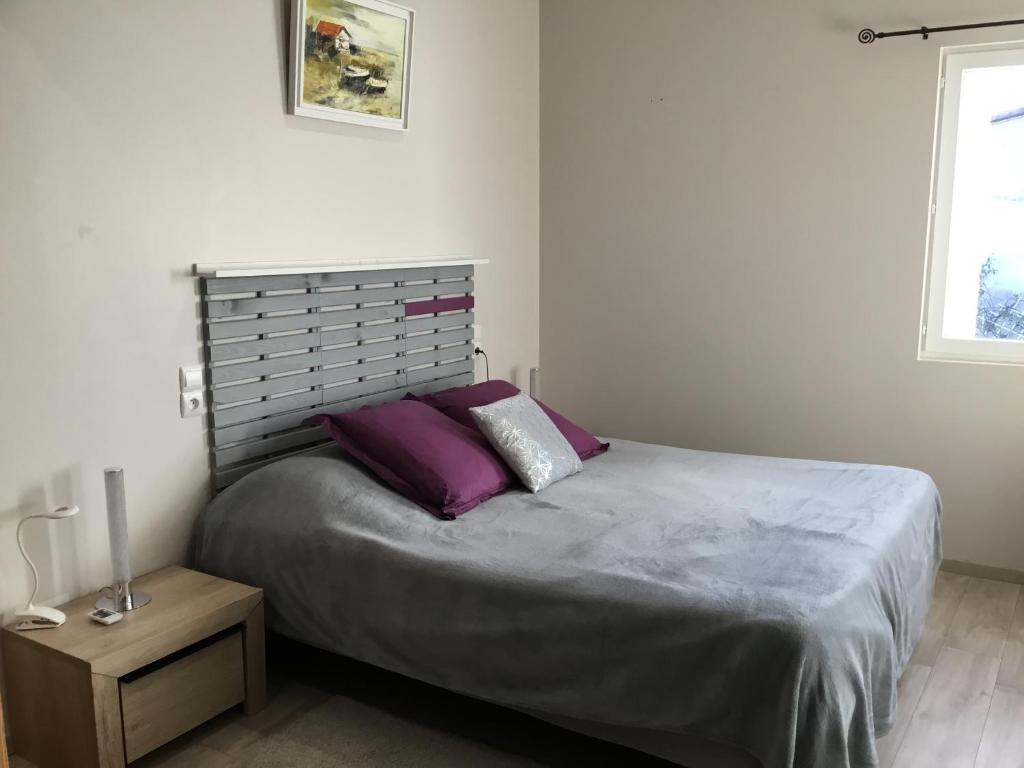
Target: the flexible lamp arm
pixel 24 554
pixel 60 513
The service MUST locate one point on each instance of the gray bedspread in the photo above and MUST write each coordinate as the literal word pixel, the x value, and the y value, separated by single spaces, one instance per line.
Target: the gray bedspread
pixel 768 603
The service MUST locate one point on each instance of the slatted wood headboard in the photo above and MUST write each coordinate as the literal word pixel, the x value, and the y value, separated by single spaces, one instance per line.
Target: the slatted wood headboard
pixel 282 347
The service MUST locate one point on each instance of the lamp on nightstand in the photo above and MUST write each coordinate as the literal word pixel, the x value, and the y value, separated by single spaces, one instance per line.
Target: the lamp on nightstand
pixel 35 616
pixel 119 596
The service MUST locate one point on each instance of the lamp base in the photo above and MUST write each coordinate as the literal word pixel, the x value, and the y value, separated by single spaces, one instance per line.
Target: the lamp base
pixel 129 602
pixel 36 617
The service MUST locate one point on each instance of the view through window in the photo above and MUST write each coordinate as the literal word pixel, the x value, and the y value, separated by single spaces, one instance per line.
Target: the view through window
pixel 976 291
pixel 1001 281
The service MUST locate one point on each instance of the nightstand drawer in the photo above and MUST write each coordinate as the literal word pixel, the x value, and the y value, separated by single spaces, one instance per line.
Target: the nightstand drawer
pixel 176 697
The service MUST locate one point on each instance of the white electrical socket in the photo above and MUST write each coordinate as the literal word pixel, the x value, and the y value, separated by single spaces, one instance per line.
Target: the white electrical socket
pixel 478 333
pixel 191 403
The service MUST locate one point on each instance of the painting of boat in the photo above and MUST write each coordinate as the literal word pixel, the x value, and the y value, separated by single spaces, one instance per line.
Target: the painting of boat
pixel 355 77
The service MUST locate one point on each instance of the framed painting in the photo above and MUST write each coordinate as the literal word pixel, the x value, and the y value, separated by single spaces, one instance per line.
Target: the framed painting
pixel 351 61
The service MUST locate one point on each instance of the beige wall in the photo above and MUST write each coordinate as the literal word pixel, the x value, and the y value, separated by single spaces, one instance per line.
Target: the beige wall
pixel 139 137
pixel 734 199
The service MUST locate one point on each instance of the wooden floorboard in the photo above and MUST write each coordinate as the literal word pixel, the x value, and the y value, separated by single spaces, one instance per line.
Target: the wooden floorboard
pixel 1002 746
pixel 947 726
pixel 911 686
pixel 1011 671
pixel 982 622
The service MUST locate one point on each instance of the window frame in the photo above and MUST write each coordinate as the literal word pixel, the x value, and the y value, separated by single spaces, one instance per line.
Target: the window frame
pixel 933 347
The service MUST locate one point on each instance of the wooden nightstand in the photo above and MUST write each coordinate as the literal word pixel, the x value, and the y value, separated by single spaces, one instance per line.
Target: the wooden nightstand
pixel 90 696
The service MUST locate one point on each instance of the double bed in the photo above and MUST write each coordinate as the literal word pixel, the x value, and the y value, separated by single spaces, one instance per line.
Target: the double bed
pixel 717 610
pixel 672 600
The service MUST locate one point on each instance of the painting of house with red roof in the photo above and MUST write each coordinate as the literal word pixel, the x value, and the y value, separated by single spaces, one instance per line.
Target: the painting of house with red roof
pixel 352 61
pixel 330 38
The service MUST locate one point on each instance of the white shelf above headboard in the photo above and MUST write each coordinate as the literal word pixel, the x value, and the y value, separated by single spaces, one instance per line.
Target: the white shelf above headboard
pixel 268 268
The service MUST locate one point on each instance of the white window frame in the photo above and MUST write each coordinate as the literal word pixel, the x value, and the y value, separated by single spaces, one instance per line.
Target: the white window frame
pixel 933 345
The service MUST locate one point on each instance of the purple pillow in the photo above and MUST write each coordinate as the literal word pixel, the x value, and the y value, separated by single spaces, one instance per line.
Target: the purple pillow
pixel 431 460
pixel 455 403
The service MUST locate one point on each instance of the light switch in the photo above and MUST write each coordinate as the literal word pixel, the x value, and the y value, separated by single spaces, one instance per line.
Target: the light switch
pixel 190 377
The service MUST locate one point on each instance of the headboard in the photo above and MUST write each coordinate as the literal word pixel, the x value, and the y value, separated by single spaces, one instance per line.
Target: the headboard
pixel 283 344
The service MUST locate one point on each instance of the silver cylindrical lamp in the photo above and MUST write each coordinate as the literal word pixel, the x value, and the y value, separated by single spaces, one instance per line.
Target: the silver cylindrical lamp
pixel 119 596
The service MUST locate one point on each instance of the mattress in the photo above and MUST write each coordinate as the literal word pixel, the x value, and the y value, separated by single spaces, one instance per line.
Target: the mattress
pixel 766 604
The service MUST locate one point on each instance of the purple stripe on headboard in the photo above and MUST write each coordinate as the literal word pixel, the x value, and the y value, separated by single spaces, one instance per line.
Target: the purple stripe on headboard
pixel 438 305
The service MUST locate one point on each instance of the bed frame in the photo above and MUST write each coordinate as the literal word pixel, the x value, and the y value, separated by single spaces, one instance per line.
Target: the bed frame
pixel 285 342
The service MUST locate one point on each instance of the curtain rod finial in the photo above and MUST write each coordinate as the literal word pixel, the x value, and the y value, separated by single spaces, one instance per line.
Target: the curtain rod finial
pixel 867 36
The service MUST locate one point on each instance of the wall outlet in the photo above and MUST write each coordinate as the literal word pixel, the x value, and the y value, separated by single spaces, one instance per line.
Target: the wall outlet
pixel 478 333
pixel 191 403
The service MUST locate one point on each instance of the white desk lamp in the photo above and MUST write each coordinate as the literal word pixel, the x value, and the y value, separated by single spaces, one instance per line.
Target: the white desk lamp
pixel 36 616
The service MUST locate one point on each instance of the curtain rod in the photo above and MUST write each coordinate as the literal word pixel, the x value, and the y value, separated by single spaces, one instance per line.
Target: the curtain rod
pixel 867 36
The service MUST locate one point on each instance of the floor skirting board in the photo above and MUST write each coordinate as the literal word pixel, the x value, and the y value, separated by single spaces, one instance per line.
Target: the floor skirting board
pixel 983 571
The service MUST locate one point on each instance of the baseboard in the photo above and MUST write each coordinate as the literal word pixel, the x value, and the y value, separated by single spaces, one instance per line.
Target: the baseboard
pixel 983 571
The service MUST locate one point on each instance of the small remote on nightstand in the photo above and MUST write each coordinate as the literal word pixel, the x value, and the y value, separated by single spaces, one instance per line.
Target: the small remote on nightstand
pixel 103 616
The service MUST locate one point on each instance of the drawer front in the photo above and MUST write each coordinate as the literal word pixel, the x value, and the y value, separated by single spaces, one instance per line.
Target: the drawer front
pixel 171 700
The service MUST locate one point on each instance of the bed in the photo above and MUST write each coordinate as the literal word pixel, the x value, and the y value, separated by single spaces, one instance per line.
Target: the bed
pixel 717 610
pixel 765 604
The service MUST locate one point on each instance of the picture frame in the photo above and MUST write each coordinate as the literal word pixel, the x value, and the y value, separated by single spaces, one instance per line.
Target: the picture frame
pixel 352 62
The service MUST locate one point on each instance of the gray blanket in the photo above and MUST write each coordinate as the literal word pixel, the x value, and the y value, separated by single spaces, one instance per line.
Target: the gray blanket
pixel 767 603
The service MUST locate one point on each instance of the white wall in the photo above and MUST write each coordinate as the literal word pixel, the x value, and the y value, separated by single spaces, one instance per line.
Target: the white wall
pixel 137 138
pixel 734 199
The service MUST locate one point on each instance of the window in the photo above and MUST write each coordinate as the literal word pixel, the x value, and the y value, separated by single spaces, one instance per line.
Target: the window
pixel 974 298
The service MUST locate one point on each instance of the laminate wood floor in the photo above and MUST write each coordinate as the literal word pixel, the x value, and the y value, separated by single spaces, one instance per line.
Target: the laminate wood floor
pixel 961 705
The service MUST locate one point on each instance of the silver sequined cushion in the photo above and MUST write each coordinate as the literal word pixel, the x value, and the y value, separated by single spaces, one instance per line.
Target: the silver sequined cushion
pixel 528 441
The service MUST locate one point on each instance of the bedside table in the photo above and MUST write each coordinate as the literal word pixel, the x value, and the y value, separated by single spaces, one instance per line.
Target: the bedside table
pixel 86 695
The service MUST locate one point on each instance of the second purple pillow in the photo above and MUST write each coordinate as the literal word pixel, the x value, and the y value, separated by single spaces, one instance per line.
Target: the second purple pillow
pixel 456 402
